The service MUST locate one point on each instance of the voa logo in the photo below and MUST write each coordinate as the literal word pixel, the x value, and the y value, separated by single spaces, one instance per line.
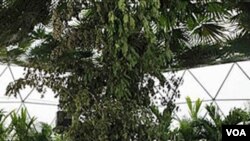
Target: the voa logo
pixel 236 132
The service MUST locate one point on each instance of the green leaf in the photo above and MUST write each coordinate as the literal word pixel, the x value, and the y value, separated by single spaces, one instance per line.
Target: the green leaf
pixel 189 103
pixel 111 16
pixel 131 22
pixel 121 5
pixel 125 18
pixel 125 48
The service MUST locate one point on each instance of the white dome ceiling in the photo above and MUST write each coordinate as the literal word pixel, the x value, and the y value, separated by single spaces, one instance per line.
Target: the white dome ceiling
pixel 44 109
pixel 225 85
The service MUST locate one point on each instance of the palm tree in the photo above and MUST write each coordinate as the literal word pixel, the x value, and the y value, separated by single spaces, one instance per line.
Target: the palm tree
pixel 188 129
pixel 208 128
pixel 23 128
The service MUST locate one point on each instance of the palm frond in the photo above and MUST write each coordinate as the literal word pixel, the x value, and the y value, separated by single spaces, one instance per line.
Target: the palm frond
pixel 208 33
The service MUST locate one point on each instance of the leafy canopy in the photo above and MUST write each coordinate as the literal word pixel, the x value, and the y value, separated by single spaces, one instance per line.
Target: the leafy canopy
pixel 104 58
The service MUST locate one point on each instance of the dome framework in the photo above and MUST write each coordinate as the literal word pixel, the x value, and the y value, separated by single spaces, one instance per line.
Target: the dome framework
pixel 225 85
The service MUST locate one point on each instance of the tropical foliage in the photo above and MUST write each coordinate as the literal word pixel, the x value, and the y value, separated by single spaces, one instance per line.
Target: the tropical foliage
pixel 208 127
pixel 105 58
pixel 24 128
pixel 193 128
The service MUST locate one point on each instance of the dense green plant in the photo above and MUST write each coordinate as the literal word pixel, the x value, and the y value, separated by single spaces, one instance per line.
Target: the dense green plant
pixel 194 29
pixel 188 130
pixel 3 129
pixel 193 109
pixel 237 116
pixel 212 128
pixel 103 58
pixel 104 67
pixel 24 128
pixel 209 127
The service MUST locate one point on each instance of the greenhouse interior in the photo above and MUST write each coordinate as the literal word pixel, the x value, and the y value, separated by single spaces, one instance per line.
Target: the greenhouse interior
pixel 227 88
pixel 135 70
